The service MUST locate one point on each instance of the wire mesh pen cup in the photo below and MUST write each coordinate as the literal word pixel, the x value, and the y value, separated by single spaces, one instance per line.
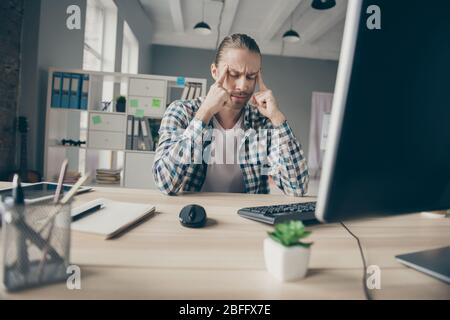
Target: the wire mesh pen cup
pixel 36 244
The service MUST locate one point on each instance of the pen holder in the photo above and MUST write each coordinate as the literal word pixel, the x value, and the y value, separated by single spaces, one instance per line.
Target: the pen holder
pixel 36 244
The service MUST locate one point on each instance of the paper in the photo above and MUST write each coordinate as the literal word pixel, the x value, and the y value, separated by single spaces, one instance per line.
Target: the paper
pixel 139 113
pixel 97 119
pixel 134 103
pixel 156 103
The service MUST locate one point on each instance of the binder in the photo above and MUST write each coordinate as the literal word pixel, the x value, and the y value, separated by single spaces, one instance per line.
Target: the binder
pixel 135 135
pixel 130 133
pixel 146 135
pixel 65 95
pixel 191 91
pixel 194 90
pixel 188 85
pixel 198 91
pixel 75 91
pixel 150 136
pixel 185 93
pixel 84 92
pixel 56 90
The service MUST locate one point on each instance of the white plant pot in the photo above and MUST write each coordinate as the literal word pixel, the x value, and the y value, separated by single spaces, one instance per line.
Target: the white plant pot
pixel 286 263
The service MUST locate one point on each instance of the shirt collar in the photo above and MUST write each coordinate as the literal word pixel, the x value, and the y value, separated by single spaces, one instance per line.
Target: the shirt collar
pixel 247 115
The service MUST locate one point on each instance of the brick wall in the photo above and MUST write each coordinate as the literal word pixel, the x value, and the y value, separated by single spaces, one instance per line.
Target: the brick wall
pixel 11 13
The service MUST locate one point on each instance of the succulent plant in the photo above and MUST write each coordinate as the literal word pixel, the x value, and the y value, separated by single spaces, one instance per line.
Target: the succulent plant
pixel 290 233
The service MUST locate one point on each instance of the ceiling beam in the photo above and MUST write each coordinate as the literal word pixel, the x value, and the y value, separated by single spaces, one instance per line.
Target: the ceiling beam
pixel 325 22
pixel 229 13
pixel 278 17
pixel 177 15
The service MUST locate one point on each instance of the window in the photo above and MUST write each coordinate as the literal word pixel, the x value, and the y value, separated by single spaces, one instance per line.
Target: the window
pixel 130 51
pixel 100 55
pixel 100 35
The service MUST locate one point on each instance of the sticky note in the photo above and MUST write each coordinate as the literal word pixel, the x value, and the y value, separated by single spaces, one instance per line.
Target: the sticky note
pixel 97 119
pixel 134 103
pixel 156 103
pixel 139 113
pixel 181 81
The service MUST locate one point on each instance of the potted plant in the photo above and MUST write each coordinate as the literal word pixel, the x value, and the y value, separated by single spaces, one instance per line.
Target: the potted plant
pixel 286 257
pixel 121 104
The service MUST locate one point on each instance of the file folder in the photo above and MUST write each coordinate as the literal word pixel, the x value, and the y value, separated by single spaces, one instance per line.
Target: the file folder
pixel 185 93
pixel 150 136
pixel 136 135
pixel 84 92
pixel 198 91
pixel 56 90
pixel 65 95
pixel 75 91
pixel 191 91
pixel 130 133
pixel 145 135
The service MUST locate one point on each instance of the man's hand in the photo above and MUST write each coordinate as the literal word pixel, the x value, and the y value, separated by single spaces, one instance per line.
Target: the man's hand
pixel 266 103
pixel 217 98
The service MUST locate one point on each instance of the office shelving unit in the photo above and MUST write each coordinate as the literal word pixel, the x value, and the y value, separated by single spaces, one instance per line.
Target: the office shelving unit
pixel 104 129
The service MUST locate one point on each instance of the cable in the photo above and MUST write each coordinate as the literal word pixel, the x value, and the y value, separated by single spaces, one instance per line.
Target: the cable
pixel 366 291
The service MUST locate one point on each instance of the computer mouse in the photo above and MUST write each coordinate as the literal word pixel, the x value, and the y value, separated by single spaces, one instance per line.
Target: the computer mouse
pixel 193 216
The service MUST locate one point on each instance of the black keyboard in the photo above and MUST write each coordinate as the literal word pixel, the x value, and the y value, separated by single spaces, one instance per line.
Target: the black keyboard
pixel 280 213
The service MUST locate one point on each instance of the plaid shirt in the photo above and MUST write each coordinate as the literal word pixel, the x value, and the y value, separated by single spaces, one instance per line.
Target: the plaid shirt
pixel 183 139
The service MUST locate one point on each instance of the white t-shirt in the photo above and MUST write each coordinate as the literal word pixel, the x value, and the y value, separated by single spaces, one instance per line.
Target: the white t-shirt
pixel 224 174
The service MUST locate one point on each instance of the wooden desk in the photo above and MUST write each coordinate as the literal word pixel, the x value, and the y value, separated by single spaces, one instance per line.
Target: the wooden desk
pixel 160 259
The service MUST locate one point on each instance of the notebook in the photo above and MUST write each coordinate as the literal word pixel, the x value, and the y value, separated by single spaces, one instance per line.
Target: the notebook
pixel 114 218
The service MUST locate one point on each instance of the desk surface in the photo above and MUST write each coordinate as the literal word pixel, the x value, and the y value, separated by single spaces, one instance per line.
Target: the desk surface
pixel 160 259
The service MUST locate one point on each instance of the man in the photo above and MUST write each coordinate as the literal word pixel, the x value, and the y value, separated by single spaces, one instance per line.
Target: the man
pixel 232 109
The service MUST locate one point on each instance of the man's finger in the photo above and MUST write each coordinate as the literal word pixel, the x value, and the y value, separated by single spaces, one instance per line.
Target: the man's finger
pixel 259 94
pixel 223 76
pixel 262 86
pixel 260 97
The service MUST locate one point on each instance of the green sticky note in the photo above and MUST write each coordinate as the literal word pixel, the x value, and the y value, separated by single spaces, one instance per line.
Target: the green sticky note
pixel 97 119
pixel 139 113
pixel 156 103
pixel 134 103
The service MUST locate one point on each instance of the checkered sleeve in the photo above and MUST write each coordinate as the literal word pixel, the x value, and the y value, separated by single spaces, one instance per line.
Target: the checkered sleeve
pixel 287 163
pixel 179 148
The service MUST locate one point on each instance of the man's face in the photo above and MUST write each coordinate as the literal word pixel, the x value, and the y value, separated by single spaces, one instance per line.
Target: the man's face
pixel 243 67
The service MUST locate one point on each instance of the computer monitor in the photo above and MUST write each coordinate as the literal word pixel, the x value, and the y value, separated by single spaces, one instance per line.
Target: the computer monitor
pixel 388 149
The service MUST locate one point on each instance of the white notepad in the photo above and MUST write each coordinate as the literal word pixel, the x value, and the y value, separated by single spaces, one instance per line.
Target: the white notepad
pixel 114 218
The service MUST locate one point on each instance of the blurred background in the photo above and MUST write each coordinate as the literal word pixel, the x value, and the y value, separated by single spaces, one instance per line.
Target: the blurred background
pixel 300 41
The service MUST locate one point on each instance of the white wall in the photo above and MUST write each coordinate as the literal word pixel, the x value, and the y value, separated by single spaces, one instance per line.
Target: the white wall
pixel 139 22
pixel 292 80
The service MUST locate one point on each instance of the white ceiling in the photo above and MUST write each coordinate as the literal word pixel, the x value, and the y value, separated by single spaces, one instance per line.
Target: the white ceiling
pixel 264 20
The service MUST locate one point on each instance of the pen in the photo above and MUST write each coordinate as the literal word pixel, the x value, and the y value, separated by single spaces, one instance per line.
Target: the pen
pixel 59 191
pixel 63 201
pixel 87 212
pixel 62 174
